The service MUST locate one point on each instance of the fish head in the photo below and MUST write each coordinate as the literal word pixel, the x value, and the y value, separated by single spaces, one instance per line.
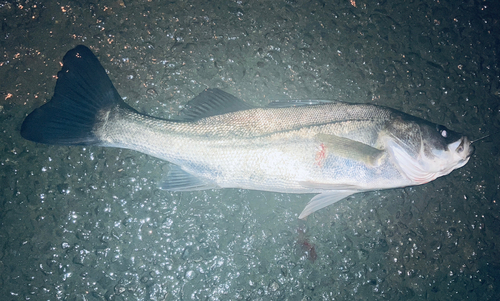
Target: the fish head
pixel 424 151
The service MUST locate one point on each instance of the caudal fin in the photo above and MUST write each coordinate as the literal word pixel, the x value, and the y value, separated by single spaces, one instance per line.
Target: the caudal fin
pixel 83 90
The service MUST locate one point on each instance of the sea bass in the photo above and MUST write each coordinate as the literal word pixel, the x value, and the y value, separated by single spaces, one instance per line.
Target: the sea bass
pixel 333 149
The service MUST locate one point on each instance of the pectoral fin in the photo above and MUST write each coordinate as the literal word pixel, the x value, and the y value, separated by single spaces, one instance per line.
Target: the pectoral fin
pixel 351 149
pixel 324 199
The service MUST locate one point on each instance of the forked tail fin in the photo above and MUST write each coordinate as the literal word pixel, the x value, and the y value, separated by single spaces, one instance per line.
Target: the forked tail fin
pixel 83 91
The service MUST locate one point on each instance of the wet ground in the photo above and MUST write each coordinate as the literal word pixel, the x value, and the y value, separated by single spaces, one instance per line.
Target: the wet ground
pixel 88 223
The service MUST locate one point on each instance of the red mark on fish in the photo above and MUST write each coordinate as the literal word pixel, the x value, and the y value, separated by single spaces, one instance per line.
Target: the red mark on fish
pixel 320 155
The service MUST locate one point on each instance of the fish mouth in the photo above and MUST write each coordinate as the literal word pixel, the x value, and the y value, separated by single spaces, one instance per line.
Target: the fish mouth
pixel 471 148
pixel 465 149
pixel 468 149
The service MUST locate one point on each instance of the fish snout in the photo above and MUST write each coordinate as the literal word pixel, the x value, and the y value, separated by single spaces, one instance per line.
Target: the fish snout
pixel 468 144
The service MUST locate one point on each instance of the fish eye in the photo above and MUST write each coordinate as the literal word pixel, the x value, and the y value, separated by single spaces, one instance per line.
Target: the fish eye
pixel 442 130
pixel 444 133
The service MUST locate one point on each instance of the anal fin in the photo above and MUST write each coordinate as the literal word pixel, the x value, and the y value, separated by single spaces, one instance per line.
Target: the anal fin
pixel 179 180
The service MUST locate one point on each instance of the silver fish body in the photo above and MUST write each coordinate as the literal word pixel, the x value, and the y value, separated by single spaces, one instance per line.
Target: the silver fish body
pixel 333 149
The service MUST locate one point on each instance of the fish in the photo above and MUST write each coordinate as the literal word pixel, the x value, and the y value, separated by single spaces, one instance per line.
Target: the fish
pixel 329 148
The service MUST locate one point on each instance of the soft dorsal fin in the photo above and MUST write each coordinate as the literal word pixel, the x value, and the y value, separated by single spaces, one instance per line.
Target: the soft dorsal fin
pixel 212 102
pixel 298 103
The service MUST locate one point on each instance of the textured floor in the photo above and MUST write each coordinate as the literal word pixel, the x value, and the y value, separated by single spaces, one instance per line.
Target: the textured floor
pixel 90 224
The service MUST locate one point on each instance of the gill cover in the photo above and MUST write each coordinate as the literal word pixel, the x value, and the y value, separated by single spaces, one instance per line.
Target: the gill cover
pixel 424 151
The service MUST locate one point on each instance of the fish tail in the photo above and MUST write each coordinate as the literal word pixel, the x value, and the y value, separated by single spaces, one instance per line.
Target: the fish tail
pixel 83 92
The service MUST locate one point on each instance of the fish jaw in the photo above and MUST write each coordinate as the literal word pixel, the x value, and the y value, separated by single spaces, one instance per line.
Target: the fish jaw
pixel 426 165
